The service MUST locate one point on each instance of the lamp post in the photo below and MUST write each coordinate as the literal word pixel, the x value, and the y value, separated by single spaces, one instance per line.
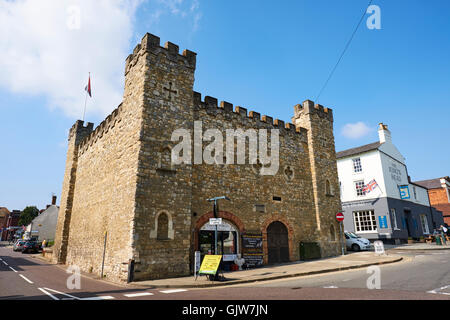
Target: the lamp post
pixel 215 212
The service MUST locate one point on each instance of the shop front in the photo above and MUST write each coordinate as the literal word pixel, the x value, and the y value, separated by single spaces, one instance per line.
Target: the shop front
pixel 227 242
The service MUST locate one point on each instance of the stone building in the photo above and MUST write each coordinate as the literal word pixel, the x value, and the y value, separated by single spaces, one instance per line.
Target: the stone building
pixel 121 185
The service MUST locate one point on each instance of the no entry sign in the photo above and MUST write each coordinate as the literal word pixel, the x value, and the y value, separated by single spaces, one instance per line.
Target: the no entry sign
pixel 339 216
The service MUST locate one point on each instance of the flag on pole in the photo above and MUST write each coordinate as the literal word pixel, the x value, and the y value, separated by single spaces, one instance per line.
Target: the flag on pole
pixel 88 87
pixel 370 186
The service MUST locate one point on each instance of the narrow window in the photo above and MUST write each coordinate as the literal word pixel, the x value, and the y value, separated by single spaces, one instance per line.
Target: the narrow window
pixel 394 219
pixel 163 227
pixel 328 188
pixel 332 233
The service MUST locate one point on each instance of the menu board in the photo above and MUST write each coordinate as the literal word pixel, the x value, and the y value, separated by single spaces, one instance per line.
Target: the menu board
pixel 252 250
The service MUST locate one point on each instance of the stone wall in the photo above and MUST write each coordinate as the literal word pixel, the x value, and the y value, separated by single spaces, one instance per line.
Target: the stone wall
pixel 120 180
pixel 322 156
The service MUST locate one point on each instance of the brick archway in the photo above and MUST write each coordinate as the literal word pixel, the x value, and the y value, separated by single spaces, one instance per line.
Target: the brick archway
pixel 264 227
pixel 222 214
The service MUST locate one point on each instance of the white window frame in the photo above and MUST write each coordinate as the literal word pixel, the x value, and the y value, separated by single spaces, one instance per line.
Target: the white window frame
pixel 356 163
pixel 368 218
pixel 424 224
pixel 362 187
pixel 394 219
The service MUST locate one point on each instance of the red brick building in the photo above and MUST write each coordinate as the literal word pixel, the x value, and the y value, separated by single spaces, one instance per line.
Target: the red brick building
pixel 9 222
pixel 439 194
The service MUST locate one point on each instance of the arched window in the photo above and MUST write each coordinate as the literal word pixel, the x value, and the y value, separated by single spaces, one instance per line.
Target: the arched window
pixel 332 233
pixel 163 227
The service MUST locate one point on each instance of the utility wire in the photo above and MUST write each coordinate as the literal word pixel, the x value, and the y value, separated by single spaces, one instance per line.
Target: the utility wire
pixel 343 52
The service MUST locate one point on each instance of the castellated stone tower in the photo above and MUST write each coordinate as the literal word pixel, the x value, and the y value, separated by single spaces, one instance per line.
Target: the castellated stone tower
pixel 76 134
pixel 123 198
pixel 322 157
pixel 163 194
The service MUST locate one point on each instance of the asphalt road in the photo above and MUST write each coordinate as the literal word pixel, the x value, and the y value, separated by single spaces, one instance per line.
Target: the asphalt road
pixel 423 276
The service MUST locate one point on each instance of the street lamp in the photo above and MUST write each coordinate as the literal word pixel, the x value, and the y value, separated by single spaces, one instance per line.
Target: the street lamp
pixel 215 212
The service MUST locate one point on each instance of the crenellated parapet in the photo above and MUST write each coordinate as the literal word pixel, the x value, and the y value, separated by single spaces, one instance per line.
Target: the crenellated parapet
pixel 308 107
pixel 265 121
pixel 79 130
pixel 151 44
pixel 103 128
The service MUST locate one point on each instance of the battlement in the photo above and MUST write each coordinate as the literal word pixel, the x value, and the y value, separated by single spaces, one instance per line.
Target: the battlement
pixel 101 129
pixel 211 103
pixel 308 107
pixel 151 43
pixel 78 129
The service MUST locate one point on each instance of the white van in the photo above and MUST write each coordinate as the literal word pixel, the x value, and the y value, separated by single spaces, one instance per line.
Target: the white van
pixel 355 242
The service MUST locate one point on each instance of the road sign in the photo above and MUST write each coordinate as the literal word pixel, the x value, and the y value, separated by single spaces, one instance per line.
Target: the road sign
pixel 339 216
pixel 215 221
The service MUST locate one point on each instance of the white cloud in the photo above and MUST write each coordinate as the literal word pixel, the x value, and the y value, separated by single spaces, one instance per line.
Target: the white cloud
pixel 356 130
pixel 47 49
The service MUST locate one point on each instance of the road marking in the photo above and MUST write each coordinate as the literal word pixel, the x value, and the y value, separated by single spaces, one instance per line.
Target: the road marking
pixel 435 291
pixel 99 298
pixel 346 280
pixel 26 279
pixel 173 291
pixel 4 263
pixel 132 295
pixel 49 294
pixel 13 269
pixel 330 287
pixel 62 293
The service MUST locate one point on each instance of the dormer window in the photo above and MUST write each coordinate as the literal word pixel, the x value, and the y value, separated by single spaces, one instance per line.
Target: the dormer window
pixel 357 165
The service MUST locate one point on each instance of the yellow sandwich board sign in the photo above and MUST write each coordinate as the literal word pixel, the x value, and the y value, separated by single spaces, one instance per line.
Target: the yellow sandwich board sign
pixel 210 264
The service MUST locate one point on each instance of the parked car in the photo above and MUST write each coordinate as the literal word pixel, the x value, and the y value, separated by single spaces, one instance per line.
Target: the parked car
pixel 355 242
pixel 18 245
pixel 31 246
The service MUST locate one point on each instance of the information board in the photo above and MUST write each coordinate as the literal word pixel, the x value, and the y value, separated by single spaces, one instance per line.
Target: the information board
pixel 210 264
pixel 252 250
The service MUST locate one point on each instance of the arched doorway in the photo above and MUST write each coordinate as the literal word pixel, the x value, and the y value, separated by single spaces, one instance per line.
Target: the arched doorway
pixel 277 242
pixel 227 240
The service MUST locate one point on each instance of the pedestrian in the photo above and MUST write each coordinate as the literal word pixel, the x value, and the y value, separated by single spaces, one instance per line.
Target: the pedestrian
pixel 443 231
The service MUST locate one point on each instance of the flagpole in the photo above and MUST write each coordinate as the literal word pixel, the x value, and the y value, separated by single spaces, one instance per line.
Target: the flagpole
pixel 85 100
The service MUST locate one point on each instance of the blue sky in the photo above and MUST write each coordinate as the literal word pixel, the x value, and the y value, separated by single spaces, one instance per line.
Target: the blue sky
pixel 263 55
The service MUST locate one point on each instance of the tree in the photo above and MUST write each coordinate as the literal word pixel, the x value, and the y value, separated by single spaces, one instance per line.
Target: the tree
pixel 27 215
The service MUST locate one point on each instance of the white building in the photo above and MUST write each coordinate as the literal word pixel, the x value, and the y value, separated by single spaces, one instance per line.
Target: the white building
pixel 396 208
pixel 44 225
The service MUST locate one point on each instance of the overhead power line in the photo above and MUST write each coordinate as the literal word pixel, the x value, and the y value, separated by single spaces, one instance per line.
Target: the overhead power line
pixel 343 52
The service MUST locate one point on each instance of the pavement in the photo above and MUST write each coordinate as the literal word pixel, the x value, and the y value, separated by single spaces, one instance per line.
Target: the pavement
pixel 418 246
pixel 293 269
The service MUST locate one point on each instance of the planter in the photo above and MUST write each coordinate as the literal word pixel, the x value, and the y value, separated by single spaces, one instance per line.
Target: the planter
pixel 410 241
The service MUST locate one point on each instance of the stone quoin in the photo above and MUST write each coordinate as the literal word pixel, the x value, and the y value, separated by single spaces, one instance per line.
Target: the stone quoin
pixel 119 179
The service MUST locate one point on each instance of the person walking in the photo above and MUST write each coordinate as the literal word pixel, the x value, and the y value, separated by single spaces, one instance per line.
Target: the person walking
pixel 443 231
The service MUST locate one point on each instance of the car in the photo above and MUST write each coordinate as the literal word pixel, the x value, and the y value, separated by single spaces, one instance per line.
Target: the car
pixel 355 242
pixel 31 246
pixel 18 245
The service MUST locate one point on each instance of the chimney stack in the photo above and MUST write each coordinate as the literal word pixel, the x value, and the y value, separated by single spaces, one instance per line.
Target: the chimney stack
pixel 383 133
pixel 53 200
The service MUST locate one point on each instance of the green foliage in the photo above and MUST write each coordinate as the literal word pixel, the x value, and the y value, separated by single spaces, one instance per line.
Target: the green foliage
pixel 27 215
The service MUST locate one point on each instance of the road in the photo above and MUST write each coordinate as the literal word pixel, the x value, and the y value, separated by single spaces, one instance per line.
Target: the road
pixel 423 276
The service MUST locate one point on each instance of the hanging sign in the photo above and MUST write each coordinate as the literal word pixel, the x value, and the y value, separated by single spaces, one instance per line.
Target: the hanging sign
pixel 404 192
